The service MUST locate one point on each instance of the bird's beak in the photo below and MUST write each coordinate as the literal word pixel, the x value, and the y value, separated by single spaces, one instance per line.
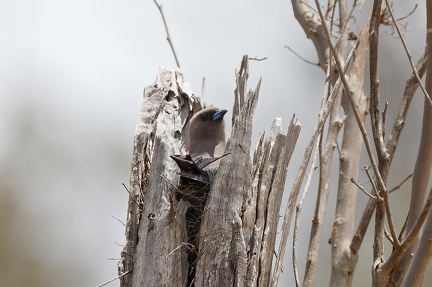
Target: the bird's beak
pixel 219 114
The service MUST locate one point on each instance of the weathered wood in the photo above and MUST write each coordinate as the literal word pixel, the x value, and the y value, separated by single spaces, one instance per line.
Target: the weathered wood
pixel 154 216
pixel 237 227
pixel 223 258
pixel 281 161
pixel 238 232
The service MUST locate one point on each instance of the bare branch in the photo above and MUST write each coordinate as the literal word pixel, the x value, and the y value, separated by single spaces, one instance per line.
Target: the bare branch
pixel 372 181
pixel 400 184
pixel 410 58
pixel 167 32
pixel 124 224
pixel 353 104
pixel 420 183
pixel 410 88
pixel 325 160
pixel 407 15
pixel 363 189
pixel 301 173
pixel 258 59
pixel 300 57
pixel 412 236
pixel 298 212
pixel 313 28
pixel 390 220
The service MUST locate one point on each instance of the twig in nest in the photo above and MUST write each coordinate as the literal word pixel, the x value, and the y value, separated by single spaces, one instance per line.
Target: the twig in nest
pixel 168 181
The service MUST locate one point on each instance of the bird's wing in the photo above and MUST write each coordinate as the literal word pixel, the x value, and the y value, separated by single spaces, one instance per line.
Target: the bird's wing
pixel 202 162
pixel 186 163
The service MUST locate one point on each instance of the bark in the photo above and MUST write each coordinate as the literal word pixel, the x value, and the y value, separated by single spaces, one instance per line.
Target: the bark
pixel 344 260
pixel 313 28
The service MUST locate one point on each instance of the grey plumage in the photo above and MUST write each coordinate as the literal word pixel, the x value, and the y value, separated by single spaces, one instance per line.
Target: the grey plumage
pixel 206 145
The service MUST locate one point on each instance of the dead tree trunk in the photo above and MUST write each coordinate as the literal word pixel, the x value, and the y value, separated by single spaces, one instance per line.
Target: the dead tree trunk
pixel 155 220
pixel 236 229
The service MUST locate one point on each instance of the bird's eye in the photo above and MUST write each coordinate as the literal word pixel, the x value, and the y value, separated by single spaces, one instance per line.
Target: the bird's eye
pixel 204 117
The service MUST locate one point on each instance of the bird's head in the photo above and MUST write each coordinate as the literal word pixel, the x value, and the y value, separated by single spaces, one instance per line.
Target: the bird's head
pixel 207 130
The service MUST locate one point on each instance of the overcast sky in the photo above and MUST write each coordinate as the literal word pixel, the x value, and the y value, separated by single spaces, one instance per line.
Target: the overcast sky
pixel 72 75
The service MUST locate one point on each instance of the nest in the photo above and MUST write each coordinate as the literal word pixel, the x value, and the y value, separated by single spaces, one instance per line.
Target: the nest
pixel 195 193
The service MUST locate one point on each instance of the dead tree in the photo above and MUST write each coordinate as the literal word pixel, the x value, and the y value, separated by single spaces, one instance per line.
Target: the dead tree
pixel 228 240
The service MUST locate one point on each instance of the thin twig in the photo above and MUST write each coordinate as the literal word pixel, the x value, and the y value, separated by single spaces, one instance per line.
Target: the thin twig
pixel 300 57
pixel 115 278
pixel 167 32
pixel 411 237
pixel 178 247
pixel 400 184
pixel 372 181
pixel 409 54
pixel 131 196
pixel 409 14
pixel 388 236
pixel 403 229
pixel 118 244
pixel 257 59
pixel 363 189
pixel 410 88
pixel 390 220
pixel 169 182
pixel 298 211
pixel 384 116
pixel 118 220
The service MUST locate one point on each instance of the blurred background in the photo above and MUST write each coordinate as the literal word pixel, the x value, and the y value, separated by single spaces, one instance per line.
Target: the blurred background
pixel 71 80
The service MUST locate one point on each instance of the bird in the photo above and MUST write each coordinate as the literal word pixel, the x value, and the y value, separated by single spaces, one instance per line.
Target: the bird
pixel 206 145
pixel 207 133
